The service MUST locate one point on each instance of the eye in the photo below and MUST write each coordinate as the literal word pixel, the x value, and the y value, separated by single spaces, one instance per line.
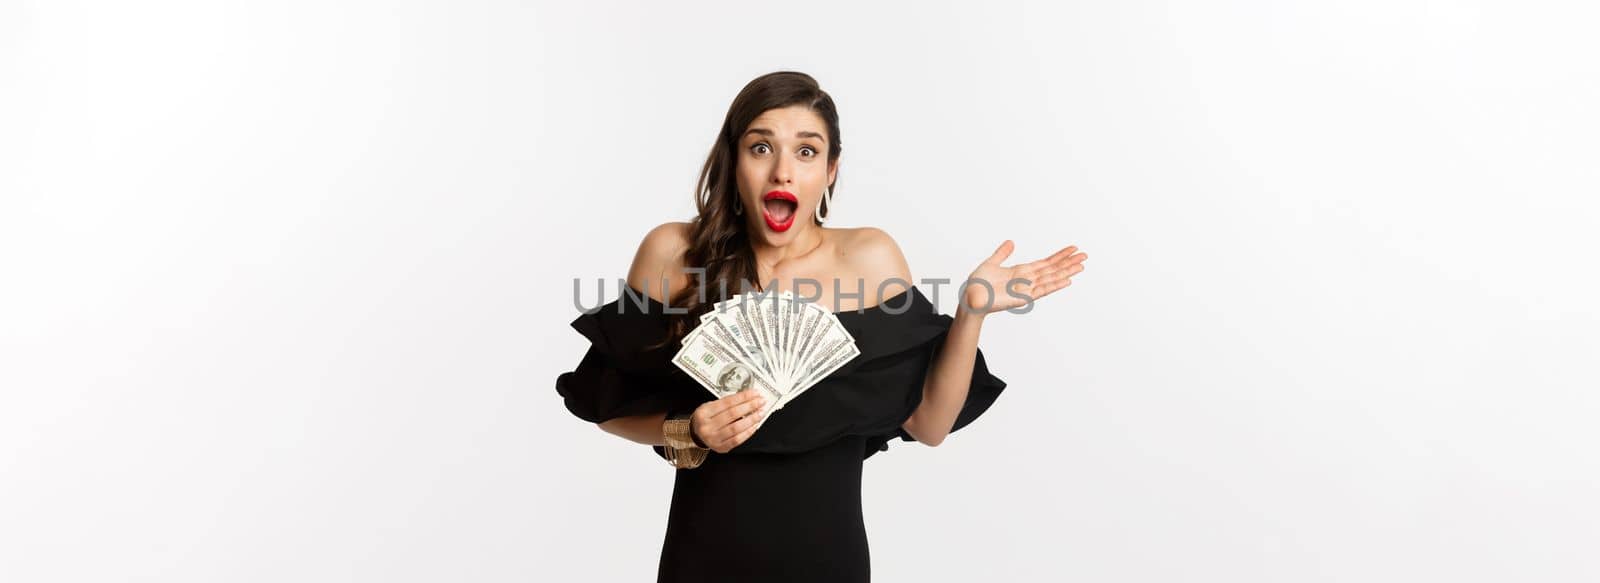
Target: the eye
pixel 810 149
pixel 758 145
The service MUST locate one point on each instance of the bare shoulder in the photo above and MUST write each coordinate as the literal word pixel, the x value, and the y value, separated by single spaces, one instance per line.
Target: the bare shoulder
pixel 875 257
pixel 660 258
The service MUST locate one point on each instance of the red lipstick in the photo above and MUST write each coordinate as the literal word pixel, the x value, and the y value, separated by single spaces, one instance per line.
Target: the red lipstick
pixel 779 208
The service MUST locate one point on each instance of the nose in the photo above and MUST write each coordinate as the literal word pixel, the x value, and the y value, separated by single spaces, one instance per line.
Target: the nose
pixel 782 171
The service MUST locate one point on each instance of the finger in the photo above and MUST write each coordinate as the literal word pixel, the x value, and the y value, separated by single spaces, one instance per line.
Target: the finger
pixel 724 403
pixel 1001 253
pixel 1059 275
pixel 1055 260
pixel 1048 289
pixel 1063 253
pixel 1077 259
pixel 738 426
pixel 742 396
pixel 742 435
pixel 1067 271
pixel 1034 283
pixel 1063 259
pixel 1037 285
pixel 723 436
pixel 733 413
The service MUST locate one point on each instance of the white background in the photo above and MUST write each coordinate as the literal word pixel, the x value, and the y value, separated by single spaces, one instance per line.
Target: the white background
pixel 284 287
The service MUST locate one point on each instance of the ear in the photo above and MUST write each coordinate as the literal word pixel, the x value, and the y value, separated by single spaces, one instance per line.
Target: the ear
pixel 833 170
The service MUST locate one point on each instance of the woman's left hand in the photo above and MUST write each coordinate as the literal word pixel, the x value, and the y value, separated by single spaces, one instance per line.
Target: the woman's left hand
pixel 1004 292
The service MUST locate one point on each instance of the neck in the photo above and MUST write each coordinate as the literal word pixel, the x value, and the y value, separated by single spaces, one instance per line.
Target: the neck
pixel 768 257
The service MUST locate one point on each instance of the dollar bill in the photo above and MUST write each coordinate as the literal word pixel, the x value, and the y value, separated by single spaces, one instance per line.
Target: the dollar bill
pixel 717 369
pixel 741 348
pixel 771 341
pixel 733 331
pixel 828 357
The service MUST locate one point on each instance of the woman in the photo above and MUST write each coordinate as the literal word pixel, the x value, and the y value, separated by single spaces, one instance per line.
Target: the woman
pixel 784 503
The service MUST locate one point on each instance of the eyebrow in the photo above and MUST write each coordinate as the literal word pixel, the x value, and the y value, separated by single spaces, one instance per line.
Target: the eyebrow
pixel 768 133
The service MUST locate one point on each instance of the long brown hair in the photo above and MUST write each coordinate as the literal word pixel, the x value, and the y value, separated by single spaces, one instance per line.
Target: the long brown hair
pixel 718 240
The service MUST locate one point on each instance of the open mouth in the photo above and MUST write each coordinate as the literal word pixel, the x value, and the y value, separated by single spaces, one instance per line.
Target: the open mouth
pixel 779 207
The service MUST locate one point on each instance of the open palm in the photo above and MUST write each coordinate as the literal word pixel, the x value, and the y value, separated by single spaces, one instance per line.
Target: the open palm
pixel 1042 277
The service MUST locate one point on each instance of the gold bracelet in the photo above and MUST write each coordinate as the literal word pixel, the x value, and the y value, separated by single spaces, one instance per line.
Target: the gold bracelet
pixel 680 448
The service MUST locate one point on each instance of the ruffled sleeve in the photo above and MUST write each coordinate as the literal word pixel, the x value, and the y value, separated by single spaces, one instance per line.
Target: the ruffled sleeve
pixel 983 392
pixel 874 393
pixel 621 374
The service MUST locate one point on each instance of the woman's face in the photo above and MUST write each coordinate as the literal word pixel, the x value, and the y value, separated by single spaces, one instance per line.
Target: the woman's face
pixel 784 153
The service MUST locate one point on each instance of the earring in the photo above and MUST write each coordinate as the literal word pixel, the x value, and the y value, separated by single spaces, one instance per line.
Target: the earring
pixel 827 198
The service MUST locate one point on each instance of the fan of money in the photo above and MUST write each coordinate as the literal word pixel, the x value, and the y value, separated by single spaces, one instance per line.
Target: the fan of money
pixel 771 341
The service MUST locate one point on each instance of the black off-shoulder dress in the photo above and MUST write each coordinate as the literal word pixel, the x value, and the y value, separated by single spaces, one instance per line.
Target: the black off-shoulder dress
pixel 785 505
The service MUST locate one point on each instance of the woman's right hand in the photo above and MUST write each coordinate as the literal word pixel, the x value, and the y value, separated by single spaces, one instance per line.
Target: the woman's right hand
pixel 725 423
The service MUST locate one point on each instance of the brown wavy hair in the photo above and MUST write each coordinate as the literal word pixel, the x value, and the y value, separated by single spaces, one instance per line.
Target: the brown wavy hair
pixel 718 240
